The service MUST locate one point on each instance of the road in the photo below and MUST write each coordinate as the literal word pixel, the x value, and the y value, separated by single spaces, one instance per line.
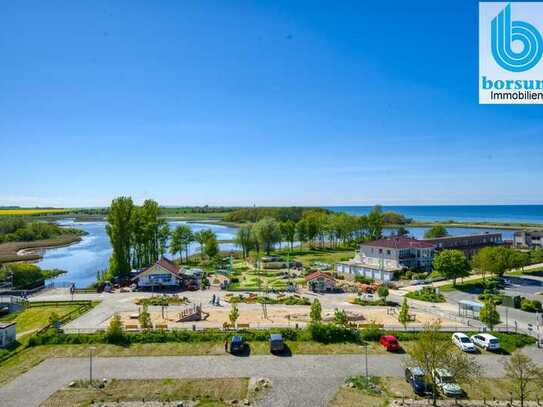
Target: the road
pixel 318 376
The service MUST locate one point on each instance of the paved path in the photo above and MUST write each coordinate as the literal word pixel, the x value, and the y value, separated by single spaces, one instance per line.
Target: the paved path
pixel 300 380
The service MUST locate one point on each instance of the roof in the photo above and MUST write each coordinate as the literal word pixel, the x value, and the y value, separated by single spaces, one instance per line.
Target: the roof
pixel 400 242
pixel 473 236
pixel 319 274
pixel 6 324
pixel 166 264
pixel 356 263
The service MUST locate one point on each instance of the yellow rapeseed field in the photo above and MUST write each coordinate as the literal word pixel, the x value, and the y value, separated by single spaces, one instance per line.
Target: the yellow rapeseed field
pixel 29 212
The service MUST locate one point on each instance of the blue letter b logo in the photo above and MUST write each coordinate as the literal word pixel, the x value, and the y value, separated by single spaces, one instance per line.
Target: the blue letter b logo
pixel 505 32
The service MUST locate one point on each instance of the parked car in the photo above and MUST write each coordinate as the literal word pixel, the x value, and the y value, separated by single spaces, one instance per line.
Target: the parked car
pixel 486 341
pixel 390 343
pixel 445 383
pixel 463 342
pixel 276 343
pixel 237 344
pixel 415 377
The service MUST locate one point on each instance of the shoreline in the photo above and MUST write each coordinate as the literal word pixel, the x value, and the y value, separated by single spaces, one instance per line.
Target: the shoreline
pixel 32 251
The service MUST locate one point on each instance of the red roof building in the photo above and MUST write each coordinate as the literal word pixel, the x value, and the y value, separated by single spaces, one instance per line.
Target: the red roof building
pixel 320 282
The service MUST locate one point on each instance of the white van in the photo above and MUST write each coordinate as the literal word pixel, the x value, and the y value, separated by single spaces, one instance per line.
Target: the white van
pixel 486 341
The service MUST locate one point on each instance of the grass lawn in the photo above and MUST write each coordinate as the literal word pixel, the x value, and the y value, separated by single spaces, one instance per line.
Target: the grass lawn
pixel 396 388
pixel 35 318
pixel 472 286
pixel 208 392
pixel 392 387
pixel 271 279
pixel 307 256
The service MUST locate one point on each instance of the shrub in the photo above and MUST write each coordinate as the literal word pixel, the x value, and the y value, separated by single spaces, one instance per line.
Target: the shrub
pixel 363 280
pixel 330 333
pixel 530 305
pixel 114 333
pixel 427 294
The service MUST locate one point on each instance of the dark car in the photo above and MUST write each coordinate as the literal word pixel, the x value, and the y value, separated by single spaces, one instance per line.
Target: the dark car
pixel 276 343
pixel 237 344
pixel 416 378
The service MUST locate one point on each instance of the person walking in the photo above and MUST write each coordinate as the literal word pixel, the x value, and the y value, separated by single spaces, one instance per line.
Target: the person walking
pixel 226 345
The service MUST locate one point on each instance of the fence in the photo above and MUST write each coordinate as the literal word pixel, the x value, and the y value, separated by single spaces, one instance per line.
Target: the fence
pixel 83 306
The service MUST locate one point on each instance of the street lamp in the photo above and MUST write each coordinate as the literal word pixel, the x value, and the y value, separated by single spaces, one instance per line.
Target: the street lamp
pixel 91 349
pixel 366 353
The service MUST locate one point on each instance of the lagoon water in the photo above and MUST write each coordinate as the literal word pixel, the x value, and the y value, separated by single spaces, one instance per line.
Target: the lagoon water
pixel 82 260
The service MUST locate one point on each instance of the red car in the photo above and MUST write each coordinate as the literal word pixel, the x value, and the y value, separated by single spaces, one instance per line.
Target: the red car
pixel 390 343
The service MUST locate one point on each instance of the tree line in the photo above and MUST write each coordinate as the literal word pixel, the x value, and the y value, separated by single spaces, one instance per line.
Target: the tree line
pixel 139 237
pixel 315 227
pixel 20 230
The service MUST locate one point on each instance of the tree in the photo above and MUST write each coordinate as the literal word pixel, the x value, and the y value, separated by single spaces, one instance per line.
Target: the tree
pixel 301 231
pixel 54 320
pixel 401 231
pixel 119 232
pixel 163 236
pixel 144 318
pixel 233 315
pixel 201 237
pixel 375 223
pixel 382 291
pixel 288 232
pixel 211 246
pixel 436 231
pixel 176 245
pixel 315 314
pixel 536 255
pixel 451 264
pixel 340 317
pixel 267 233
pixel 114 332
pixel 489 315
pixel 403 316
pixel 431 352
pixel 244 238
pixel 182 237
pixel 523 374
pixel 495 259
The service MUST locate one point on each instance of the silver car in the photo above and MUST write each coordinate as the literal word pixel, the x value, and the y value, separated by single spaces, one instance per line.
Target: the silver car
pixel 446 384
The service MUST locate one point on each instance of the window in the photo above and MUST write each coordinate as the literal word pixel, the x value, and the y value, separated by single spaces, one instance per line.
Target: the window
pixel 388 251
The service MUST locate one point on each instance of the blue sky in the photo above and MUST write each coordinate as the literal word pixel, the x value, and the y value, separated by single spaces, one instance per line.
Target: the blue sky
pixel 255 102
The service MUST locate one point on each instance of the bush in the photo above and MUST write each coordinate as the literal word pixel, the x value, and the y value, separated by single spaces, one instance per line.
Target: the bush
pixel 530 305
pixel 363 280
pixel 330 333
pixel 427 294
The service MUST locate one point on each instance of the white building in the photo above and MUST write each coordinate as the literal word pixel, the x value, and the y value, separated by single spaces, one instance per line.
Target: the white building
pixel 163 274
pixel 380 259
pixel 7 333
